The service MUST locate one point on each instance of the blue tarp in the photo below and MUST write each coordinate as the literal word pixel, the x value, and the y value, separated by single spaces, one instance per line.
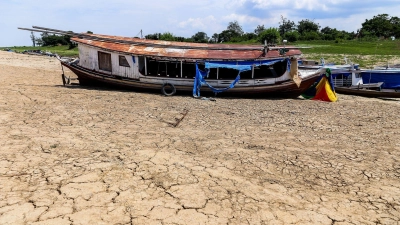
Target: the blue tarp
pixel 200 80
pixel 237 65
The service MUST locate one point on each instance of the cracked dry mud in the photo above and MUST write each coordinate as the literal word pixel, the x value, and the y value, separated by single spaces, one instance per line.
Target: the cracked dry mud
pixel 75 155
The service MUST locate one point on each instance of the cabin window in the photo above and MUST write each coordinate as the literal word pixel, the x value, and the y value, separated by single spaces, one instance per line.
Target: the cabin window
pixel 105 61
pixel 142 66
pixel 123 61
pixel 272 71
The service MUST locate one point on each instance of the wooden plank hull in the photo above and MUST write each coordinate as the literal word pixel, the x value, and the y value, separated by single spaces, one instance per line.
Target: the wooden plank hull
pixel 284 89
pixel 384 93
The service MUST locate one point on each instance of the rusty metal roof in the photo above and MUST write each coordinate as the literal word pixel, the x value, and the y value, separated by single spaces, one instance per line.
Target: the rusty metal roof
pixel 171 50
pixel 180 50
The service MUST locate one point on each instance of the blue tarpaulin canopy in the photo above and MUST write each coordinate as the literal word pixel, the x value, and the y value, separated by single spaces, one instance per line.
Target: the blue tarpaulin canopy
pixel 237 65
pixel 240 65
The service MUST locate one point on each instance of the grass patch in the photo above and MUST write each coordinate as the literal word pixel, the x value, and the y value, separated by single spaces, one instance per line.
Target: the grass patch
pixel 366 53
pixel 352 47
pixel 60 50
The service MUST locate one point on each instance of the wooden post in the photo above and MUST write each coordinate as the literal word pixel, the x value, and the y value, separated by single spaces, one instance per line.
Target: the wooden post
pixel 145 65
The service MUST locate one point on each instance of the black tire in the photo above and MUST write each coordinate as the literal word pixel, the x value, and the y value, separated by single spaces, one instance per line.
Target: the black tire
pixel 168 89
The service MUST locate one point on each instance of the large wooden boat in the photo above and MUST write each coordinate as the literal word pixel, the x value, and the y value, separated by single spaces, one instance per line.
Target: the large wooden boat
pixel 178 67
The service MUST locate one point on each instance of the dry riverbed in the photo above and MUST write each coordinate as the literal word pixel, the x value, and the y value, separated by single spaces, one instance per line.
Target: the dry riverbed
pixel 76 155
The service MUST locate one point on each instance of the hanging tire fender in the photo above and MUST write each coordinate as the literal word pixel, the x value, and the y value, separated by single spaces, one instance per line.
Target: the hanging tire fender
pixel 168 89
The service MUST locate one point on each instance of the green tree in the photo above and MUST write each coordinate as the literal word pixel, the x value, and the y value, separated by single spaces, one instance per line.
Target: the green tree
pixel 235 27
pixel 215 37
pixel 395 21
pixel 378 26
pixel 271 35
pixel 286 26
pixel 381 25
pixel 154 36
pixel 200 37
pixel 307 26
pixel 33 39
pixel 259 29
pixel 227 35
pixel 53 40
pixel 39 41
pixel 249 36
pixel 310 35
pixel 180 39
pixel 292 36
pixel 167 36
pixel 328 33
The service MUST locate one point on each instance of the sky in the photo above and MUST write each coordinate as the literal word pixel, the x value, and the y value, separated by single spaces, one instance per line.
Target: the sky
pixel 180 17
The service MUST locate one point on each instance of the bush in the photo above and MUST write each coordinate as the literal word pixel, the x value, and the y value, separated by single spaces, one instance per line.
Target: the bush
pixel 54 40
pixel 292 36
pixel 338 40
pixel 369 38
pixel 271 35
pixel 167 36
pixel 309 36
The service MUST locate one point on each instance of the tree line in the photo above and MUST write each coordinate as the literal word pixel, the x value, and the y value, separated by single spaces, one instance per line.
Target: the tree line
pixel 47 39
pixel 380 26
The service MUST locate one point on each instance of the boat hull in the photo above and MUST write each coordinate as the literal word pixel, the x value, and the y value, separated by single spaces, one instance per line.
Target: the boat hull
pixel 284 89
pixel 383 93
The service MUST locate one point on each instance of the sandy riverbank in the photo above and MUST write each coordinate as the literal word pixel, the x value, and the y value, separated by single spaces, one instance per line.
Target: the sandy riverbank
pixel 73 155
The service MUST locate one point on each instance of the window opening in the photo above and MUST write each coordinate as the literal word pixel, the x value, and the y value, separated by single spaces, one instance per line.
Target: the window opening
pixel 123 61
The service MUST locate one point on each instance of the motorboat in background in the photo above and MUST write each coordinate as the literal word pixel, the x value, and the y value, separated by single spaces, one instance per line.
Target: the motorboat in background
pixel 355 84
pixel 390 77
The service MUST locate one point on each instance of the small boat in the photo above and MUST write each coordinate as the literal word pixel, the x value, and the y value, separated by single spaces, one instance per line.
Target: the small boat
pixel 390 77
pixel 172 67
pixel 354 85
pixel 369 91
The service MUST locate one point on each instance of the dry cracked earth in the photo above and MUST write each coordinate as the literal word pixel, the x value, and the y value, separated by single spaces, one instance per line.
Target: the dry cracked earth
pixel 76 155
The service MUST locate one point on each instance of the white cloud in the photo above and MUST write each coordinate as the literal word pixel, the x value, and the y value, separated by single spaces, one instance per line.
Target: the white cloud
pixel 198 23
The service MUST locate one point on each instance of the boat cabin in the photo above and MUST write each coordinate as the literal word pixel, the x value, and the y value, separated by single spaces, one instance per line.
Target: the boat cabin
pixel 120 64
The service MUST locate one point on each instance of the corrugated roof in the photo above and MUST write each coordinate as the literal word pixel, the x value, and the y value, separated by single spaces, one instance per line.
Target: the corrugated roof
pixel 180 50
